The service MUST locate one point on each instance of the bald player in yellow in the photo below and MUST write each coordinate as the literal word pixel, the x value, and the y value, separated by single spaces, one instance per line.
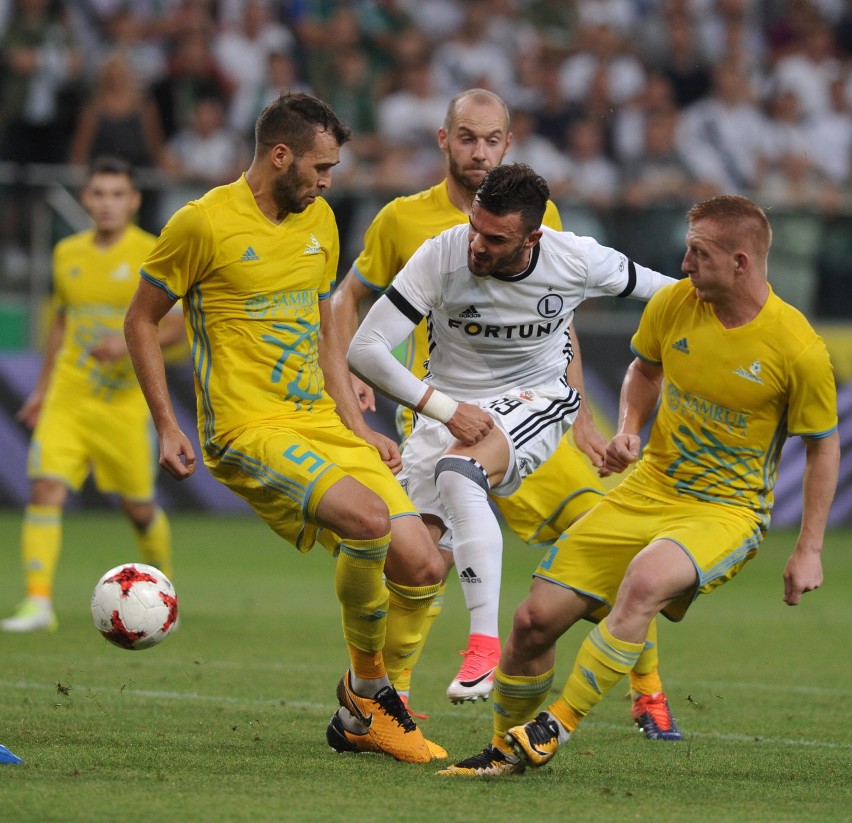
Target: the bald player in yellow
pixel 87 408
pixel 474 137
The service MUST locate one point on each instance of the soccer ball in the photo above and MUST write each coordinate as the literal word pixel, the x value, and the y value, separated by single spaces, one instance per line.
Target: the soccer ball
pixel 134 606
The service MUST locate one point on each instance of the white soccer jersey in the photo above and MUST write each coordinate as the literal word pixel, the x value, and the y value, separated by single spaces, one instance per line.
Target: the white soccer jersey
pixel 490 334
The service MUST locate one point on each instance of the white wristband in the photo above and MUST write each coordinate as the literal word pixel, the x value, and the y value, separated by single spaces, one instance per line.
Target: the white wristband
pixel 439 406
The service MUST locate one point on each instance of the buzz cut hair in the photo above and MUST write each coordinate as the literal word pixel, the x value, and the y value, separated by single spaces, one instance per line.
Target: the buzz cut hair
pixel 479 96
pixel 294 118
pixel 742 220
pixel 514 188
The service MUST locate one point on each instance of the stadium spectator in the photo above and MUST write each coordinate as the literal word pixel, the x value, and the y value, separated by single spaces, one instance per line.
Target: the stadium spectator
pixel 192 74
pixel 602 72
pixel 205 153
pixel 242 50
pixel 381 23
pixel 539 153
pixel 809 70
pixel 630 120
pixel 720 136
pixel 38 93
pixel 41 64
pixel 696 506
pixel 408 113
pixel 832 132
pixel 682 59
pixel 474 138
pixel 119 119
pixel 658 175
pixel 594 176
pixel 470 59
pixel 86 410
pixel 282 74
pixel 288 436
pixel 656 185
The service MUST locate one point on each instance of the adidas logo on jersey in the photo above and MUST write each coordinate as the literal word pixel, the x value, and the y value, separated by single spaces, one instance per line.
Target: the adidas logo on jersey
pixel 470 311
pixel 681 345
pixel 249 256
pixel 468 575
pixel 312 246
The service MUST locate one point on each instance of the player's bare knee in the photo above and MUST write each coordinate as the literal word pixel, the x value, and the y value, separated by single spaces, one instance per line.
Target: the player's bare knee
pixel 369 521
pixel 529 626
pixel 414 562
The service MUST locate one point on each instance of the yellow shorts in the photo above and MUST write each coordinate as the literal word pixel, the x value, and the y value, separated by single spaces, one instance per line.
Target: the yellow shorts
pixel 593 557
pixel 282 471
pixel 114 441
pixel 553 496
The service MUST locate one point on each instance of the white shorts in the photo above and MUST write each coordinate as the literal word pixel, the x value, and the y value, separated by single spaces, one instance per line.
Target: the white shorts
pixel 533 421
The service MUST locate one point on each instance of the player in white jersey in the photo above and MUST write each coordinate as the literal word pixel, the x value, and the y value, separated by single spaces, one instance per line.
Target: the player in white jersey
pixel 499 296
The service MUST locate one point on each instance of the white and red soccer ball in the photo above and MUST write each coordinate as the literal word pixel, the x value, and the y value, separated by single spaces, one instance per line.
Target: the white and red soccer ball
pixel 135 606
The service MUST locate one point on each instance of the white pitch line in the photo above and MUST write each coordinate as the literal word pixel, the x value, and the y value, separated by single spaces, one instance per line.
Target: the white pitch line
pixel 195 697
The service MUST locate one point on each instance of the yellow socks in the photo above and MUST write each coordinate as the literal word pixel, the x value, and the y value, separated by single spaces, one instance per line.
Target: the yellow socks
pixel 361 590
pixel 515 700
pixel 644 676
pixel 600 663
pixel 409 609
pixel 41 543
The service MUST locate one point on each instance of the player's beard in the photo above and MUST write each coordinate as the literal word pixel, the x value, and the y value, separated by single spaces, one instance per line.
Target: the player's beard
pixel 469 180
pixel 289 192
pixel 509 264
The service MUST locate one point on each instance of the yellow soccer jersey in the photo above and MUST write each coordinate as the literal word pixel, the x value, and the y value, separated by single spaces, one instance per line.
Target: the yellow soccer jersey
pixel 93 287
pixel 397 231
pixel 731 397
pixel 251 290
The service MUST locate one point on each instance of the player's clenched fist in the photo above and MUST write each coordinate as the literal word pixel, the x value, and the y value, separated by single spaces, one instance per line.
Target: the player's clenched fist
pixel 470 424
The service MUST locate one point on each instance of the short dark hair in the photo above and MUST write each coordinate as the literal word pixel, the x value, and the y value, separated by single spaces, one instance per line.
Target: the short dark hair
pixel 515 187
pixel 109 164
pixel 294 119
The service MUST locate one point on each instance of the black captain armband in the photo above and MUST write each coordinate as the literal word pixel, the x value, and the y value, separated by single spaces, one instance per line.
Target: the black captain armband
pixel 405 308
pixel 631 280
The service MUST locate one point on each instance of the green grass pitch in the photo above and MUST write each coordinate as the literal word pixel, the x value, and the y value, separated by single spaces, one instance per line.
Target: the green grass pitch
pixel 225 721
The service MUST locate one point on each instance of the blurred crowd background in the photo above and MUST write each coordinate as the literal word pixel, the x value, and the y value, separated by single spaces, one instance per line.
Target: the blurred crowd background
pixel 632 110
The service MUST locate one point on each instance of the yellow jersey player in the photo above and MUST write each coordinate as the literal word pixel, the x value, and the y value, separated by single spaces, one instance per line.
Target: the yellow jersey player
pixel 87 408
pixel 736 371
pixel 254 262
pixel 474 137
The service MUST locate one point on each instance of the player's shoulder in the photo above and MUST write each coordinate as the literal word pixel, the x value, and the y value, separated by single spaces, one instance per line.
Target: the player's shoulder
pixel 139 236
pixel 79 241
pixel 413 207
pixel 781 314
pixel 557 241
